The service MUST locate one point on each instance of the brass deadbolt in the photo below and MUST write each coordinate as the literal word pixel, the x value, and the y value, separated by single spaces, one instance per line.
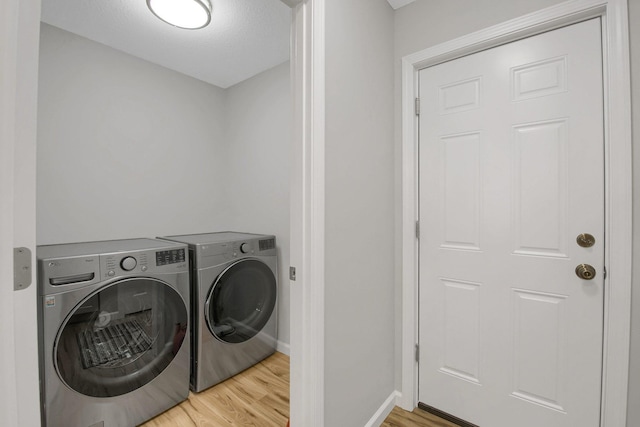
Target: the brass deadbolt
pixel 585 271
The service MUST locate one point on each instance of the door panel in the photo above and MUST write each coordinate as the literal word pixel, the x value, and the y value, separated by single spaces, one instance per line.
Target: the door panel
pixel 461 192
pixel 540 323
pixel 511 171
pixel 541 231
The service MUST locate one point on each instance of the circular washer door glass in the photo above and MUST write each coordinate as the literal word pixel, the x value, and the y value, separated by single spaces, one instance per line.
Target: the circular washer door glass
pixel 241 301
pixel 120 337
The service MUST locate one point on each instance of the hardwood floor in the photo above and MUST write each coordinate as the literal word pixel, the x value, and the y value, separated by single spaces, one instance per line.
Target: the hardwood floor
pixel 259 397
pixel 418 418
pixel 256 397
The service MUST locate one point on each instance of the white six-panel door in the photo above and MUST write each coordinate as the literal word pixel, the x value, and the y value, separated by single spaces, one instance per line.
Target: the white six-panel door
pixel 511 171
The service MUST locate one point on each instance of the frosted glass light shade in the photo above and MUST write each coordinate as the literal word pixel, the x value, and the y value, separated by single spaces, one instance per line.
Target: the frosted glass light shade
pixel 189 14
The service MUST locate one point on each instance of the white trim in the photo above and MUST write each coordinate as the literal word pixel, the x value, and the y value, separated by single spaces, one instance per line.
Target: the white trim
pixel 618 225
pixel 307 216
pixel 544 20
pixel 383 411
pixel 619 215
pixel 283 348
pixel 409 387
pixel 24 221
pixel 8 61
pixel 19 71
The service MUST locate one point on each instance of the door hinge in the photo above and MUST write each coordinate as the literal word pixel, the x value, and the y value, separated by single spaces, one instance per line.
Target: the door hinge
pixel 21 268
pixel 604 272
pixel 417 106
pixel 417 353
pixel 292 273
pixel 417 229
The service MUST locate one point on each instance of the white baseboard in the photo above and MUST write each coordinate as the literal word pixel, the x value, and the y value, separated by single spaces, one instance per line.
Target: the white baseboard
pixel 405 402
pixel 384 410
pixel 283 347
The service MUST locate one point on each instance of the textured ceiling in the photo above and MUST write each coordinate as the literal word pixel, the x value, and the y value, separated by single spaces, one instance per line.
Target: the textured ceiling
pixel 244 38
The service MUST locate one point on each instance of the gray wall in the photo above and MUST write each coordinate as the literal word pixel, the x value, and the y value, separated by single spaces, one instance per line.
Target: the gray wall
pixel 426 23
pixel 359 211
pixel 258 148
pixel 128 149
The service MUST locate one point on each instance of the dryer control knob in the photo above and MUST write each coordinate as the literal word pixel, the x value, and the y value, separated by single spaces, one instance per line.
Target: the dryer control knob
pixel 245 247
pixel 128 263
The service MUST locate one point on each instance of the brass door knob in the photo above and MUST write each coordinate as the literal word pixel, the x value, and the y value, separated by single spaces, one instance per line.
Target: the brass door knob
pixel 585 271
pixel 585 240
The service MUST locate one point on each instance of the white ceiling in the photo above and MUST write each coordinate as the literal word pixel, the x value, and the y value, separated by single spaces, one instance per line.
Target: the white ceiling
pixel 244 38
pixel 397 4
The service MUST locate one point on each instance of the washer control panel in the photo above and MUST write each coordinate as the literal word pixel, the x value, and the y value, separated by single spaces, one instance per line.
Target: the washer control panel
pixel 117 264
pixel 165 261
pixel 172 256
pixel 128 263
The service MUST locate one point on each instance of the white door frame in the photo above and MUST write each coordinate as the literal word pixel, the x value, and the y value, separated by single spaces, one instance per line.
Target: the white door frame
pixel 8 392
pixel 18 80
pixel 307 214
pixel 618 180
pixel 19 41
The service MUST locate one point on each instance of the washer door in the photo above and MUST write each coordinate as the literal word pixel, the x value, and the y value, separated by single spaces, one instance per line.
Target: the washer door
pixel 241 301
pixel 120 337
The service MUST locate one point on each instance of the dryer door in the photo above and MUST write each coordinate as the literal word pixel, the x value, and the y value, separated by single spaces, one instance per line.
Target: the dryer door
pixel 120 337
pixel 241 301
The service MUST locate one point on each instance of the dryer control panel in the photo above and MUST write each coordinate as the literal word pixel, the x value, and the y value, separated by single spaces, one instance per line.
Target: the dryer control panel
pixel 219 252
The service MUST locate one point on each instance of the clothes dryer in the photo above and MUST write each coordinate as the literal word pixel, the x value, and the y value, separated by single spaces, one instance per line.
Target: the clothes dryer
pixel 234 296
pixel 113 331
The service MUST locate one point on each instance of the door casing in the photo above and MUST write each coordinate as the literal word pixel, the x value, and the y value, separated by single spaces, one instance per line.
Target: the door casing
pixel 618 176
pixel 18 74
pixel 19 81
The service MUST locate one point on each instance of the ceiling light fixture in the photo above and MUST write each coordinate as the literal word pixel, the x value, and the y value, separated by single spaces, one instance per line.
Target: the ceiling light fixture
pixel 189 14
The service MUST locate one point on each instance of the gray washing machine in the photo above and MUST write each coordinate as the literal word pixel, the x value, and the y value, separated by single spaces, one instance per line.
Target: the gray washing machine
pixel 234 295
pixel 113 331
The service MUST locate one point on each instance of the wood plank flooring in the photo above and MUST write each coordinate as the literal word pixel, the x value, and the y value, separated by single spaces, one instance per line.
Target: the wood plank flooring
pixel 259 397
pixel 256 397
pixel 418 418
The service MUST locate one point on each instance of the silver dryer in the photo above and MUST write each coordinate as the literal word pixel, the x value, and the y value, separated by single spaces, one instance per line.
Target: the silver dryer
pixel 234 300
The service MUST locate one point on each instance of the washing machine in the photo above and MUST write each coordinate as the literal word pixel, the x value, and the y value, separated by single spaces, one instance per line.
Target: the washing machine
pixel 113 331
pixel 234 295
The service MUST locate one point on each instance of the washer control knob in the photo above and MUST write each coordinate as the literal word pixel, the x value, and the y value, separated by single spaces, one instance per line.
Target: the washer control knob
pixel 245 247
pixel 128 263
